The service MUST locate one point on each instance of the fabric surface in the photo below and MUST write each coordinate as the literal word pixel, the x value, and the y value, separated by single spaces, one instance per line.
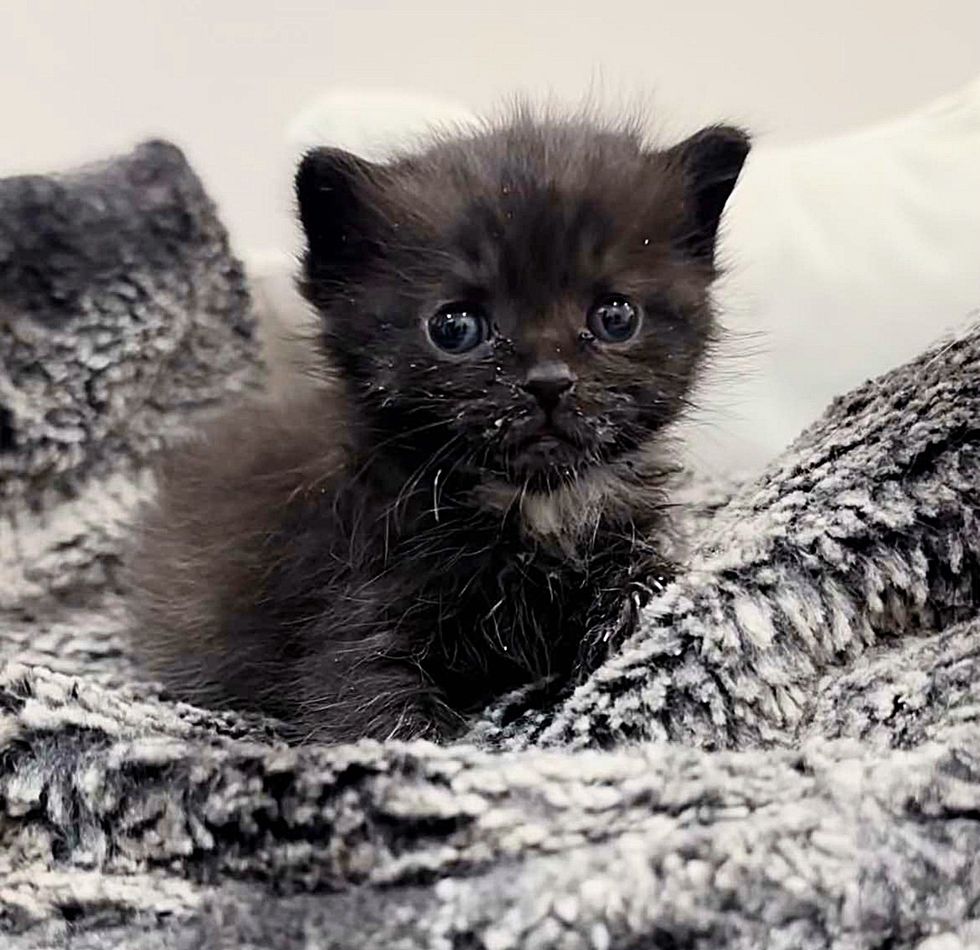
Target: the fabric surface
pixel 786 754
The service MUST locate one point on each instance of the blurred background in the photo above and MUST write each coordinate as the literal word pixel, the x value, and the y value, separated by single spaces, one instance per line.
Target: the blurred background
pixel 80 79
pixel 853 239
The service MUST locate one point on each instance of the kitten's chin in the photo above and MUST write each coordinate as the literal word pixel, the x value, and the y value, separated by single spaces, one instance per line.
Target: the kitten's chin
pixel 547 462
pixel 545 453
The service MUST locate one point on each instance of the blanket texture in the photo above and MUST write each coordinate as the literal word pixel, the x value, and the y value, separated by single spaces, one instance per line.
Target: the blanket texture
pixel 786 754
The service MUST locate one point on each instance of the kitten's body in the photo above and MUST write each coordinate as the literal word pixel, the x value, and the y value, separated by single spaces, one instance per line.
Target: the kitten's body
pixel 388 553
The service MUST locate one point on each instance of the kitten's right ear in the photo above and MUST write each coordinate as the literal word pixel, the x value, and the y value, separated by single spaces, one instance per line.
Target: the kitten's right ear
pixel 711 161
pixel 333 191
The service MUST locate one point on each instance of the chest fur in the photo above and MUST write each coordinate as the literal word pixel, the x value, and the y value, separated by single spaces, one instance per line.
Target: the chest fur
pixel 503 596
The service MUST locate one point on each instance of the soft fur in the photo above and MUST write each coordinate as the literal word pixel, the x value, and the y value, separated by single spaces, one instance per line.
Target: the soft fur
pixel 427 530
pixel 791 734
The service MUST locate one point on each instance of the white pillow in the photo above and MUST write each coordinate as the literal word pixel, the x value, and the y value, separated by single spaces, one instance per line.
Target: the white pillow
pixel 372 123
pixel 847 256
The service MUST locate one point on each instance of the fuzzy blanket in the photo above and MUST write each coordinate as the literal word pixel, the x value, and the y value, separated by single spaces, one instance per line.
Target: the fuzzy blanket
pixel 786 754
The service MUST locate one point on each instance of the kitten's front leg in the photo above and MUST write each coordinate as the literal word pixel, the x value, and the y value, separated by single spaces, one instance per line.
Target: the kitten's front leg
pixel 620 598
pixel 352 693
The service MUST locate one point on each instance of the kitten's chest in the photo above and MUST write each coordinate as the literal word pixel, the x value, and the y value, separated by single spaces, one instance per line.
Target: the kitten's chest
pixel 497 605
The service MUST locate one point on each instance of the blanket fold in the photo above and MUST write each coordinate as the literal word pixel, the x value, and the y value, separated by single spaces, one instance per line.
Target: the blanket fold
pixel 786 753
pixel 864 530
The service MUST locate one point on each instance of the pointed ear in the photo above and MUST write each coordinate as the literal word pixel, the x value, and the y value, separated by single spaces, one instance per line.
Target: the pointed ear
pixel 333 192
pixel 711 161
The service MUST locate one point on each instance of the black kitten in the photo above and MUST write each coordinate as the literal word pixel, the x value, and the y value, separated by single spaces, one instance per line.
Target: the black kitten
pixel 514 317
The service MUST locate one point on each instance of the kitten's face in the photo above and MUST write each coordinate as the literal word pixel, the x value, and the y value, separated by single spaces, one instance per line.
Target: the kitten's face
pixel 524 305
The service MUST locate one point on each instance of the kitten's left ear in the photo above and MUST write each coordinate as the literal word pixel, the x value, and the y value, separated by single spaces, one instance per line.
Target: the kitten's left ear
pixel 334 189
pixel 711 161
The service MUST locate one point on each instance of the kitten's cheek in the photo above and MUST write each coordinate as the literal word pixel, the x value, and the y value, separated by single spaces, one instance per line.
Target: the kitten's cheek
pixel 486 382
pixel 654 414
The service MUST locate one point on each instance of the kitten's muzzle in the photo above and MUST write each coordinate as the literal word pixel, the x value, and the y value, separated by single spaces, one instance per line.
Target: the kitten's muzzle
pixel 539 448
pixel 542 429
pixel 549 382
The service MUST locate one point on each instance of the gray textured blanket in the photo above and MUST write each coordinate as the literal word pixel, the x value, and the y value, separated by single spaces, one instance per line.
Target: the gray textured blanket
pixel 787 754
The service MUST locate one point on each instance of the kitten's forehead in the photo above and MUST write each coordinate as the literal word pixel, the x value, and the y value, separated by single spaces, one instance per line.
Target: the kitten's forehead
pixel 542 207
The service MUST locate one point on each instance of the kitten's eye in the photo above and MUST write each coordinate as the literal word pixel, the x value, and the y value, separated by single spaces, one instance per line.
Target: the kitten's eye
pixel 614 318
pixel 458 327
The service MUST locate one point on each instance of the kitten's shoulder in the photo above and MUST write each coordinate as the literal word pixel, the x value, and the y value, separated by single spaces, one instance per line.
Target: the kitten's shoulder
pixel 236 479
pixel 201 550
pixel 266 445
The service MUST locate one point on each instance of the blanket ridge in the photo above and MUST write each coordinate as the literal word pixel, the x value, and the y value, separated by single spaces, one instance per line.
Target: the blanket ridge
pixel 786 754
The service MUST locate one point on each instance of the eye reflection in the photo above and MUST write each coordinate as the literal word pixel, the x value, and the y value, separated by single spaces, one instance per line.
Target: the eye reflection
pixel 458 328
pixel 614 318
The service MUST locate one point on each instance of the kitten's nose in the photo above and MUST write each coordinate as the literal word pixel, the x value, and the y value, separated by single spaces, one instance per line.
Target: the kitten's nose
pixel 549 381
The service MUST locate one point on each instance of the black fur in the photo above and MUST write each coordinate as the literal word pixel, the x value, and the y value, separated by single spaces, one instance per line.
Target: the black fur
pixel 390 552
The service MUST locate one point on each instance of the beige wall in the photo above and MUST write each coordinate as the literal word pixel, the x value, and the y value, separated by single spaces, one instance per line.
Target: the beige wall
pixel 223 78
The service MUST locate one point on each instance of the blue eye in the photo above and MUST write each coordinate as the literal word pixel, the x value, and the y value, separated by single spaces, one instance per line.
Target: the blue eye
pixel 458 327
pixel 614 318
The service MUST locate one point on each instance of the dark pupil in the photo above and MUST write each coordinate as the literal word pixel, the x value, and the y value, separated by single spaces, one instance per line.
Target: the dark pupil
pixel 453 328
pixel 617 318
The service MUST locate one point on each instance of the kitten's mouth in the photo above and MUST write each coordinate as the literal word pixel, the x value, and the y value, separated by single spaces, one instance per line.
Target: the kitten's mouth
pixel 546 438
pixel 542 449
pixel 543 434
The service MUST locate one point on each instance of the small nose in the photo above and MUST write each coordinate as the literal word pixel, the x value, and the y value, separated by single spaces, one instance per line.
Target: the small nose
pixel 548 382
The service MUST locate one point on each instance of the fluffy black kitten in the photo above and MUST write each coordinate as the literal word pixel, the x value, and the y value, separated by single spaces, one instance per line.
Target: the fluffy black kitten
pixel 513 317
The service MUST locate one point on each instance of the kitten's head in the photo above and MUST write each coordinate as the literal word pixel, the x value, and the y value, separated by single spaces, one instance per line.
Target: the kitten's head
pixel 522 303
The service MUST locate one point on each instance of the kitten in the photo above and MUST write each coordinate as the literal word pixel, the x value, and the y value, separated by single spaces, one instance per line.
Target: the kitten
pixel 513 317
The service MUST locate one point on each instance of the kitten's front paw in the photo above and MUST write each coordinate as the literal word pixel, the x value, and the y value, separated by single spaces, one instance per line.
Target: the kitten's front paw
pixel 382 705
